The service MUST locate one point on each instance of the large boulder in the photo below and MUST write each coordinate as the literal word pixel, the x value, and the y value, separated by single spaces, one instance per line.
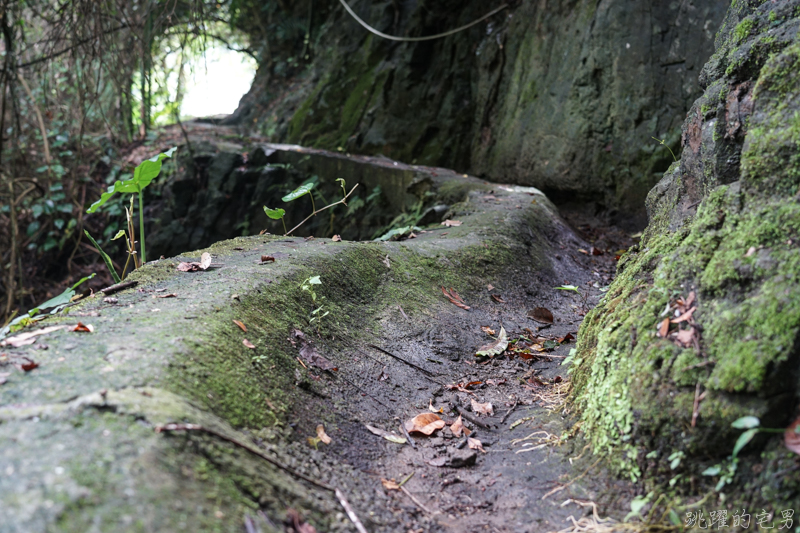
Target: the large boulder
pixel 724 232
pixel 564 96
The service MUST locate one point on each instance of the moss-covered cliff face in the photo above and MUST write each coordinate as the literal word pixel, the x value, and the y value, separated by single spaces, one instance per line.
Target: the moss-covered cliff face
pixel 563 95
pixel 725 227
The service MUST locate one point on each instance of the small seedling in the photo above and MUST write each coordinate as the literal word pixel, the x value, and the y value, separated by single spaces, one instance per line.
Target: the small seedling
pixel 144 173
pixel 573 288
pixel 305 189
pixel 664 143
pixel 276 214
pixel 308 286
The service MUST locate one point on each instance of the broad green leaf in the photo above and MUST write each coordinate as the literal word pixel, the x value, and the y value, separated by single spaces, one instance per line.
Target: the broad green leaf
pixel 142 176
pixel 119 235
pixel 746 422
pixel 744 438
pixel 712 471
pixel 497 347
pixel 314 281
pixel 275 214
pixel 298 192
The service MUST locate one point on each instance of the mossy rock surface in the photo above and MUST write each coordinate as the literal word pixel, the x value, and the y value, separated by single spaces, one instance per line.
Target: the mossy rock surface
pixel 724 225
pixel 80 448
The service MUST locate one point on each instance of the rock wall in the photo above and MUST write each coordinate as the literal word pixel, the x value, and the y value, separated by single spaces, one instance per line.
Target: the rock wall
pixel 724 231
pixel 563 95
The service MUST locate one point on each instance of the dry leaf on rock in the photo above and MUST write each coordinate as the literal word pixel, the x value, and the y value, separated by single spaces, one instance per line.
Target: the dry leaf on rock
pixel 23 339
pixel 205 262
pixel 171 295
pixel 497 298
pixel 566 338
pixel 88 328
pixel 490 287
pixel 241 326
pixel 322 436
pixel 249 344
pixel 482 408
pixel 30 365
pixel 391 437
pixel 685 316
pixel 336 238
pixel 791 438
pixel 267 259
pixel 390 484
pixel 454 298
pixel 475 444
pixel 425 423
pixel 432 409
pixel 488 330
pixel 663 328
pixel 495 348
pixel 541 314
pixel 449 223
pixel 685 337
pixel 308 353
pixel 458 427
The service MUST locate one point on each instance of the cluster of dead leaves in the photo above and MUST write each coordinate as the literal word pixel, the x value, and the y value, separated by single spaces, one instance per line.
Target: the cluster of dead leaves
pixel 682 311
pixel 454 298
pixel 194 266
pixel 428 423
pixel 525 348
pixel 309 354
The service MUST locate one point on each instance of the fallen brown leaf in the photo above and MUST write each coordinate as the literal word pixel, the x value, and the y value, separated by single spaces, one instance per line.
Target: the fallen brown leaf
pixel 791 438
pixel 495 348
pixel 88 328
pixel 391 437
pixel 425 423
pixel 336 238
pixel 23 339
pixel 482 408
pixel 457 427
pixel 249 344
pixel 194 266
pixel 685 337
pixel 450 223
pixel 663 328
pixel 310 354
pixel 267 259
pixel 541 314
pixel 535 382
pixel 454 298
pixel 171 295
pixel 595 251
pixel 685 316
pixel 490 287
pixel 241 326
pixel 488 330
pixel 475 444
pixel 390 484
pixel 566 338
pixel 30 365
pixel 322 436
pixel 498 299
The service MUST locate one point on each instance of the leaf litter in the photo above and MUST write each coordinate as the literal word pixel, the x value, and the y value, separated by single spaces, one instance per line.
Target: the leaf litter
pixel 455 299
pixel 194 266
pixel 425 423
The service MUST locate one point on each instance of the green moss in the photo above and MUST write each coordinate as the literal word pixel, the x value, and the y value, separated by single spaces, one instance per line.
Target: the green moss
pixel 743 30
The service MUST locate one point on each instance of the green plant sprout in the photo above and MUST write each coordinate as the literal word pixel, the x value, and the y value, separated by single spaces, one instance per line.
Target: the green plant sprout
pixel 308 286
pixel 144 173
pixel 664 143
pixel 752 425
pixel 576 290
pixel 305 189
pixel 276 214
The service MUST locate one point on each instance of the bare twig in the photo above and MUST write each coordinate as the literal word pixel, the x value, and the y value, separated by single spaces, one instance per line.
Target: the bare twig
pixel 505 416
pixel 416 501
pixel 119 287
pixel 472 419
pixel 424 371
